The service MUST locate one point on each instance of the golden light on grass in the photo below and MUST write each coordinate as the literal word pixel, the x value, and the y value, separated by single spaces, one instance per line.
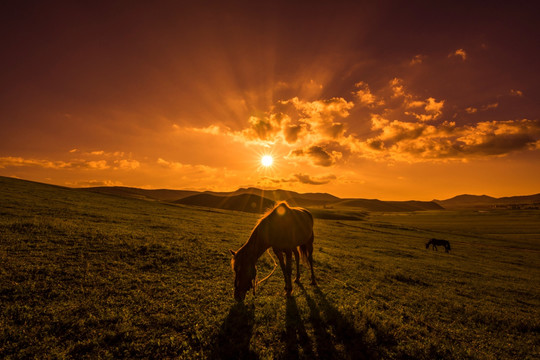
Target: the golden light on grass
pixel 267 161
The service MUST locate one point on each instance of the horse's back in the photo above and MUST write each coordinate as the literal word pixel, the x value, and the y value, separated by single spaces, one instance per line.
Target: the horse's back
pixel 290 229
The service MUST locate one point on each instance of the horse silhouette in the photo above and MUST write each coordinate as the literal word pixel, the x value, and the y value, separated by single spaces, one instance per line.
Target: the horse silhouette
pixel 437 242
pixel 287 230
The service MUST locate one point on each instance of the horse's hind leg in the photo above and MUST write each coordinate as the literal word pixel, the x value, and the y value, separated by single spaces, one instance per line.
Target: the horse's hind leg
pixel 297 259
pixel 288 268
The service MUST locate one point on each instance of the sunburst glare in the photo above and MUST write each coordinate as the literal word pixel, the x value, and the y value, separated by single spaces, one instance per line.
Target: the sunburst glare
pixel 267 160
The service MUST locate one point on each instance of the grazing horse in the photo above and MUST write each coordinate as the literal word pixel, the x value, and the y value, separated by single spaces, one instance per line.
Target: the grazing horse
pixel 287 230
pixel 437 242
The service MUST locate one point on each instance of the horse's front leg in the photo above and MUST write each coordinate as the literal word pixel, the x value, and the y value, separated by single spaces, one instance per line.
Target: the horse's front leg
pixel 297 259
pixel 286 268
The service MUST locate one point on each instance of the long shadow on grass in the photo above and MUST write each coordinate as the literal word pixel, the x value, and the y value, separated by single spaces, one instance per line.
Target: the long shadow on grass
pixel 336 336
pixel 232 341
pixel 295 332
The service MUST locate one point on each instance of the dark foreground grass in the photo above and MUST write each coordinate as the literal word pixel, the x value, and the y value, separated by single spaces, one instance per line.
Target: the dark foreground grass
pixel 85 275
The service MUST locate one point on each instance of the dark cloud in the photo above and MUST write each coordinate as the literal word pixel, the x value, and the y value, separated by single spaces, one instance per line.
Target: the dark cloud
pixel 317 155
pixel 414 142
pixel 303 179
pixel 306 179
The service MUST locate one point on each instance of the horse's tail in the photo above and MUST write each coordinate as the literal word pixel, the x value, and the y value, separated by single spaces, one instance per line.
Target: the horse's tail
pixel 306 249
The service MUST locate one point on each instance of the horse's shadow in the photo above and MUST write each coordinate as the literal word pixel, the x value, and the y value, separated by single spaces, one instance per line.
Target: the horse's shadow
pixel 296 336
pixel 232 341
pixel 335 336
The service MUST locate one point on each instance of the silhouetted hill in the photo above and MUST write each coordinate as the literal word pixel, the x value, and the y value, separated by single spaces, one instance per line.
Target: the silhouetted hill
pixel 291 197
pixel 160 194
pixel 390 206
pixel 244 198
pixel 243 202
pixel 488 202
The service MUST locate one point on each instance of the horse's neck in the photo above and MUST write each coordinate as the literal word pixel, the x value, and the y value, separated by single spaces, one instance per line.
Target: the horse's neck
pixel 255 247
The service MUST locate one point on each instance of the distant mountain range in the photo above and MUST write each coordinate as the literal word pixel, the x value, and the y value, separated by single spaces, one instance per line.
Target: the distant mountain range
pixel 480 202
pixel 257 200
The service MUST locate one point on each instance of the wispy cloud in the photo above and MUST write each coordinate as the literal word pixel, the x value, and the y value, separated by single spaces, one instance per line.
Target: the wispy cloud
pixel 185 168
pixel 417 59
pixel 93 160
pixel 514 92
pixel 10 161
pixel 459 53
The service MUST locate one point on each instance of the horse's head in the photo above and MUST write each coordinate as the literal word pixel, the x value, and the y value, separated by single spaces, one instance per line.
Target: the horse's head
pixel 244 276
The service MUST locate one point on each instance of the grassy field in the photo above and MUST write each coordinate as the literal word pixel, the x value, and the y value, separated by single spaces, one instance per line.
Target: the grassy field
pixel 86 275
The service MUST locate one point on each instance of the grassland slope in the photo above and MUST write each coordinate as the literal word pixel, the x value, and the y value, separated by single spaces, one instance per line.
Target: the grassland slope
pixel 87 275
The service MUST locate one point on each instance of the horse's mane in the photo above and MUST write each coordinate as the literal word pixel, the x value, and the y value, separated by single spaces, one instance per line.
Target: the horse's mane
pixel 273 210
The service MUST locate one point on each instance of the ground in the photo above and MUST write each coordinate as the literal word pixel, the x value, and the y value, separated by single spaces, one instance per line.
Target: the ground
pixel 88 275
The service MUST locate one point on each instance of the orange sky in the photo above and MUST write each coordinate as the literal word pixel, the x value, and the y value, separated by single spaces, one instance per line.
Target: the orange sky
pixel 392 100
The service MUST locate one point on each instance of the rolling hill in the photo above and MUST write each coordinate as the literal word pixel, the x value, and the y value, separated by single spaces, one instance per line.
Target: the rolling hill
pixel 479 202
pixel 389 206
pixel 243 198
pixel 243 202
pixel 159 194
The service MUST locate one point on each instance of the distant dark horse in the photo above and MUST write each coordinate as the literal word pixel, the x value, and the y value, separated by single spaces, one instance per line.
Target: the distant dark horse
pixel 287 230
pixel 437 242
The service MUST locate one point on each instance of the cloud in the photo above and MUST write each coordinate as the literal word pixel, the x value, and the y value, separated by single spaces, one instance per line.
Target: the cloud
pixel 212 129
pixel 127 164
pixel 11 161
pixel 473 110
pixel 365 96
pixel 47 164
pixel 186 168
pixel 403 127
pixel 432 108
pixel 85 160
pixel 304 179
pixel 516 92
pixel 460 53
pixel 93 183
pixel 396 85
pixel 417 59
pixel 317 155
pixel 490 106
pixel 291 122
pixel 416 142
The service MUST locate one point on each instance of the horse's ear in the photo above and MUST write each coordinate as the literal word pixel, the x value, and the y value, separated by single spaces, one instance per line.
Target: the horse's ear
pixel 232 252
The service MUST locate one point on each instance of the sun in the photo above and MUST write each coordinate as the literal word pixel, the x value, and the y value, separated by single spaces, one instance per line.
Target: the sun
pixel 267 160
